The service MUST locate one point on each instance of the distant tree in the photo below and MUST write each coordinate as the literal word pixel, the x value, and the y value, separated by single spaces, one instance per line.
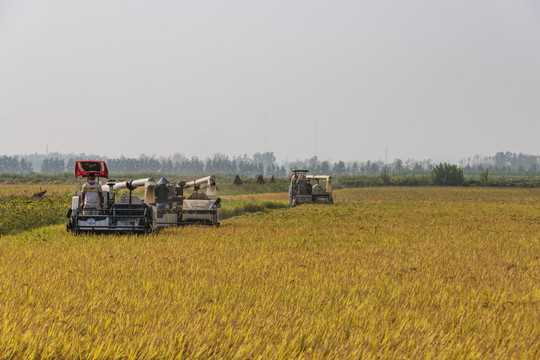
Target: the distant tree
pixel 195 166
pixel 325 167
pixel 417 167
pixel 447 175
pixel 267 158
pixel 339 168
pixel 25 166
pixel 484 177
pixel 167 166
pixel 314 165
pixel 11 164
pixel 353 169
pixel 271 170
pixel 427 164
pixel 70 164
pixel 385 177
pixel 501 160
pixel 374 168
pixel 52 166
pixel 398 165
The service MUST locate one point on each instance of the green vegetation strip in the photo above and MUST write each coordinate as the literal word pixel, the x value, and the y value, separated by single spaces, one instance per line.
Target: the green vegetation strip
pixel 22 214
pixel 233 208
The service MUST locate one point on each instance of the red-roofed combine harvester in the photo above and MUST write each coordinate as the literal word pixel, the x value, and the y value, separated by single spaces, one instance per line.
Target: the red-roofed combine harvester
pixel 130 214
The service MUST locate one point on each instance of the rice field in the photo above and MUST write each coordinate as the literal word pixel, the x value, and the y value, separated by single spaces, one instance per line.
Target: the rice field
pixel 20 210
pixel 12 191
pixel 383 273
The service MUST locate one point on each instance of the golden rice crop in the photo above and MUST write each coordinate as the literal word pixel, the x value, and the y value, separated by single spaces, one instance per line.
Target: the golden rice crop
pixel 384 273
pixel 10 191
pixel 19 214
pixel 279 197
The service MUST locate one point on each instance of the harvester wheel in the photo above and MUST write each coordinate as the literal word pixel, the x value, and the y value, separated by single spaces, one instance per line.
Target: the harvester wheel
pixel 70 228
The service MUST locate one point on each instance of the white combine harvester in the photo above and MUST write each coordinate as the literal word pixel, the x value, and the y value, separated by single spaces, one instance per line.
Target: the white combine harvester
pixel 131 214
pixel 303 191
pixel 198 208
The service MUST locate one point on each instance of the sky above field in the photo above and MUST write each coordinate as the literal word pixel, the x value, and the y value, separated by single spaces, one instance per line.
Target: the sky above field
pixel 339 79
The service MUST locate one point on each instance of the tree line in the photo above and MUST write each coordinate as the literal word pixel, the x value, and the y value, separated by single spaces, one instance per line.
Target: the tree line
pixel 15 165
pixel 262 163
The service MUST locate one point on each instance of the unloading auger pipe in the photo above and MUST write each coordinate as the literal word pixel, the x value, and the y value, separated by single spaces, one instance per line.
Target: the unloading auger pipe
pixel 209 182
pixel 148 183
pixel 131 184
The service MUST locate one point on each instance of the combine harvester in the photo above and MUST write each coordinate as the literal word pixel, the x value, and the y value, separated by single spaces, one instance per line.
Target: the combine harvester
pixel 302 191
pixel 131 214
pixel 198 208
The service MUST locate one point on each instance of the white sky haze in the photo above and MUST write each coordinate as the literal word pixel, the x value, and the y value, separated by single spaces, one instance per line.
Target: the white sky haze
pixel 340 79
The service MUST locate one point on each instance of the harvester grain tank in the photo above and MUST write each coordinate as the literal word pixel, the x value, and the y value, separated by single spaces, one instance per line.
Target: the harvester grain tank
pixel 307 189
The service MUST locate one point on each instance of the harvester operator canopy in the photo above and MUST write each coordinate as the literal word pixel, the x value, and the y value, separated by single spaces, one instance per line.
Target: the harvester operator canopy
pixel 85 167
pixel 163 181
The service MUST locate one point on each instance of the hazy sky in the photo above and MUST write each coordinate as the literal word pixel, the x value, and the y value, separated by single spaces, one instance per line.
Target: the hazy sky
pixel 340 79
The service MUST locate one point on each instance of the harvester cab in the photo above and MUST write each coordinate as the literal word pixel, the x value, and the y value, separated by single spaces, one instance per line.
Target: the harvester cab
pixel 307 189
pixel 127 214
pixel 196 209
